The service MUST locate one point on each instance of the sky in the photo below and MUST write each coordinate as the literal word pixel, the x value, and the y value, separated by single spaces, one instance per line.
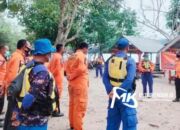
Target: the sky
pixel 143 30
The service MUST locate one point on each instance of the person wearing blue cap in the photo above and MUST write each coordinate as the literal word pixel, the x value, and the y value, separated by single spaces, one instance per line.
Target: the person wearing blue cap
pixel 35 101
pixel 35 111
pixel 146 68
pixel 120 71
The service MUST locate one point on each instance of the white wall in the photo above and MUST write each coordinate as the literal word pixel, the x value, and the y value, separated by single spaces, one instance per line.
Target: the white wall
pixel 134 56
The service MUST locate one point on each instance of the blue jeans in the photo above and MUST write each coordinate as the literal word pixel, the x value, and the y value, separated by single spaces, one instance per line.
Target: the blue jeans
pixel 99 69
pixel 122 114
pixel 147 79
pixel 32 127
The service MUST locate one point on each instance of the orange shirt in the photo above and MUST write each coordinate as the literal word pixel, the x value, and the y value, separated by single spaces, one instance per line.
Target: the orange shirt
pixel 77 69
pixel 13 66
pixel 177 68
pixel 56 67
pixel 143 64
pixel 2 69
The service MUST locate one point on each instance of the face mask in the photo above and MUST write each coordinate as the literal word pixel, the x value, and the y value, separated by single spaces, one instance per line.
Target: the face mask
pixel 146 58
pixel 7 54
pixel 27 52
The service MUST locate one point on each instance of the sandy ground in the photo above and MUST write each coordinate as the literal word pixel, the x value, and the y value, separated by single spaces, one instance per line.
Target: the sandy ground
pixel 158 113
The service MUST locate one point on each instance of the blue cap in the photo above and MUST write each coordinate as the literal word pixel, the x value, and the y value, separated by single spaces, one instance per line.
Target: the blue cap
pixel 122 43
pixel 42 47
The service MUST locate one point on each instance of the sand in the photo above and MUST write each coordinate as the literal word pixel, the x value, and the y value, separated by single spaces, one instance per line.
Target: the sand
pixel 158 113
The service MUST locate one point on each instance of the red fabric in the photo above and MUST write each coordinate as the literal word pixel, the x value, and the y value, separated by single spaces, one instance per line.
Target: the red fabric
pixel 168 61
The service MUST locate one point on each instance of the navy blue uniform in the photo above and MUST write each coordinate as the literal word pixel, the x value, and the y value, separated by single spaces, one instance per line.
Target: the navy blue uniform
pixel 121 112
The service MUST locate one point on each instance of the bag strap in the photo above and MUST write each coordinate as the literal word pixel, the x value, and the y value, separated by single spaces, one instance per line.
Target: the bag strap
pixel 116 80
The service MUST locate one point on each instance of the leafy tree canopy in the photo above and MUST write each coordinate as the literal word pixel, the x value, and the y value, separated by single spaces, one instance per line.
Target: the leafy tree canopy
pixel 105 23
pixel 173 16
pixel 7 36
pixel 102 21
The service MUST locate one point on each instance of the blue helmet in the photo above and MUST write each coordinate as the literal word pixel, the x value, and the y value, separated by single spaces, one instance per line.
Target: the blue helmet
pixel 43 46
pixel 122 43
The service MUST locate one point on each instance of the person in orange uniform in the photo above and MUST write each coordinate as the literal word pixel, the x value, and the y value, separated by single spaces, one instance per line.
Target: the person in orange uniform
pixel 3 50
pixel 177 80
pixel 17 60
pixel 77 75
pixel 146 67
pixel 56 67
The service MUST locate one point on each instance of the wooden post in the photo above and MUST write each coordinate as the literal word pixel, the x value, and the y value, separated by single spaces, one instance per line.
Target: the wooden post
pixel 139 56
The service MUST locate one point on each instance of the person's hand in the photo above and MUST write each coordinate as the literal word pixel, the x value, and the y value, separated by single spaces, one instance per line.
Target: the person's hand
pixel 14 120
pixel 111 94
pixel 16 123
pixel 148 70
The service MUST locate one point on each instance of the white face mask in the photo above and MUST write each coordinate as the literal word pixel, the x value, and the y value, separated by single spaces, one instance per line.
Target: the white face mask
pixel 7 54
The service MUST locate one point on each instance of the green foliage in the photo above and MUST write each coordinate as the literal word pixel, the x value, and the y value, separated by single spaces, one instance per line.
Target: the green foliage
pixel 104 24
pixel 173 16
pixel 41 19
pixel 3 5
pixel 7 36
pixel 5 33
pixel 13 5
pixel 103 21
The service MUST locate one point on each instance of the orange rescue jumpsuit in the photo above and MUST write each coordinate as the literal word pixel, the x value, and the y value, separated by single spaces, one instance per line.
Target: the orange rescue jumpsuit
pixel 13 66
pixel 177 79
pixel 2 71
pixel 77 71
pixel 56 67
pixel 177 68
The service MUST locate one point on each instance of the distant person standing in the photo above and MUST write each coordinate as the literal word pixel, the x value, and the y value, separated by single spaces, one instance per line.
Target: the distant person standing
pixel 146 67
pixel 177 79
pixel 56 67
pixel 99 65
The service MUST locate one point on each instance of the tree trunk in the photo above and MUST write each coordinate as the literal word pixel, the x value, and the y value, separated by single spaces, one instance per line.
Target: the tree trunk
pixel 68 13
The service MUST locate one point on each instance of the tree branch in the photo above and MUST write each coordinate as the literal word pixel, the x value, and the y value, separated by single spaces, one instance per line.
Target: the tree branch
pixel 155 23
pixel 155 29
pixel 71 39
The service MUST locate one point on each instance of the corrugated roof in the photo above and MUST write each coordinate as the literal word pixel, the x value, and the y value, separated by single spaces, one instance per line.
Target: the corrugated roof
pixel 173 43
pixel 145 44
